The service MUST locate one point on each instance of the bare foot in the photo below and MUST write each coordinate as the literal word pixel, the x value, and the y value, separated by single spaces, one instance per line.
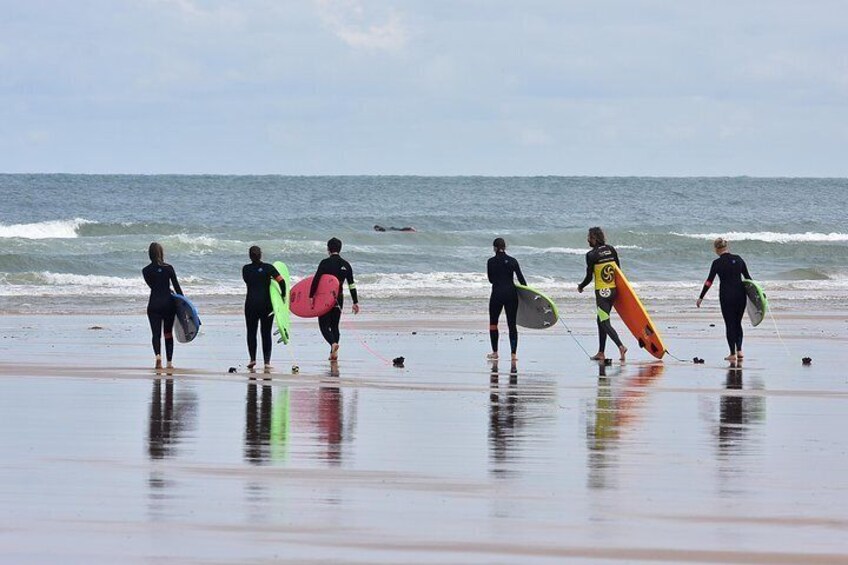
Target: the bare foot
pixel 514 357
pixel 158 362
pixel 739 355
pixel 268 368
pixel 334 352
pixel 493 356
pixel 170 365
pixel 623 351
pixel 599 356
pixel 731 358
pixel 251 365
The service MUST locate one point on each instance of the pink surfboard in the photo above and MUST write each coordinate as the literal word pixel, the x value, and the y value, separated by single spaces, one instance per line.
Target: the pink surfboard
pixel 325 297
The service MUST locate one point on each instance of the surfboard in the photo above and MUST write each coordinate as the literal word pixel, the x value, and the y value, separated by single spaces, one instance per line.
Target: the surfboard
pixel 187 323
pixel 636 318
pixel 325 297
pixel 535 310
pixel 280 303
pixel 757 302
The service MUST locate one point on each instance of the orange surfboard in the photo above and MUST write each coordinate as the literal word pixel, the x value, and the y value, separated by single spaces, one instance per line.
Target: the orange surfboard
pixel 636 318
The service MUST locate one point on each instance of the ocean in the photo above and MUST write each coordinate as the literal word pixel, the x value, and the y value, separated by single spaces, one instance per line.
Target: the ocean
pixel 77 243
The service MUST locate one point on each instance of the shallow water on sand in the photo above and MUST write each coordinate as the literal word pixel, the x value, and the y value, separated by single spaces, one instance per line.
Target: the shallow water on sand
pixel 450 460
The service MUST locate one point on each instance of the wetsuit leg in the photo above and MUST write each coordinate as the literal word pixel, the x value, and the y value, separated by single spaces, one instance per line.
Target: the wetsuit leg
pixel 168 328
pixel 265 322
pixel 251 320
pixel 732 310
pixel 511 308
pixel 495 307
pixel 604 304
pixel 155 320
pixel 329 325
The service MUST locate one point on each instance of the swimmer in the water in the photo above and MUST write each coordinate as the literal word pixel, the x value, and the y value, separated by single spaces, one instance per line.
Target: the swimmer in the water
pixel 380 228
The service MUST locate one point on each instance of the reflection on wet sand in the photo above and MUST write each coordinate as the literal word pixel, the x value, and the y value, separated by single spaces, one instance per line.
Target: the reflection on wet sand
pixel 257 423
pixel 736 413
pixel 170 420
pixel 502 420
pixel 614 411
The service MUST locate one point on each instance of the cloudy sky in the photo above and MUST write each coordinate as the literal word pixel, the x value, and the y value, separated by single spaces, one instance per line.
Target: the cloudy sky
pixel 490 87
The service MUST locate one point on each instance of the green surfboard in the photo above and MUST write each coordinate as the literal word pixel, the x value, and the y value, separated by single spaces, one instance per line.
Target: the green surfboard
pixel 280 303
pixel 757 301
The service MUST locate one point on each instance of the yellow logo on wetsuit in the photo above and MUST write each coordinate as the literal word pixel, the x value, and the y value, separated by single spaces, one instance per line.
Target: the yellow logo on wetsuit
pixel 605 275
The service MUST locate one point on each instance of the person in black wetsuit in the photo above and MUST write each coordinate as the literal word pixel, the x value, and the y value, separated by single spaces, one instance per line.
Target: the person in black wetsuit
pixel 600 263
pixel 731 269
pixel 161 309
pixel 257 304
pixel 341 269
pixel 501 269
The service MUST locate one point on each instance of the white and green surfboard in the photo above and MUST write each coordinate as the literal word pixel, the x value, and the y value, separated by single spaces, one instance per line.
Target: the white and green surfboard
pixel 757 302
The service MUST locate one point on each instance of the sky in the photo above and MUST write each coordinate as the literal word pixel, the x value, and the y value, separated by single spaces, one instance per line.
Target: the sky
pixel 429 87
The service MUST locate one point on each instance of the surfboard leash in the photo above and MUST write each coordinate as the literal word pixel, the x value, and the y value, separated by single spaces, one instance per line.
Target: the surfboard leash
pixel 580 345
pixel 676 358
pixel 364 344
pixel 783 343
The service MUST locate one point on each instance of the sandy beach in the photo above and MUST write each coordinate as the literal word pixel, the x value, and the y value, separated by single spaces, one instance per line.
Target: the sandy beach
pixel 450 459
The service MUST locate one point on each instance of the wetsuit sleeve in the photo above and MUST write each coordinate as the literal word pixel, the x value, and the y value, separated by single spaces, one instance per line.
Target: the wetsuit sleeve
pixel 519 274
pixel 745 272
pixel 351 285
pixel 274 273
pixel 322 270
pixel 709 282
pixel 147 278
pixel 589 273
pixel 489 271
pixel 244 274
pixel 175 282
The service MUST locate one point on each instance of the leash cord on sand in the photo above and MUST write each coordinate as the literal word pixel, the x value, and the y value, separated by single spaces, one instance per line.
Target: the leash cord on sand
pixel 350 324
pixel 783 343
pixel 676 358
pixel 580 345
pixel 289 348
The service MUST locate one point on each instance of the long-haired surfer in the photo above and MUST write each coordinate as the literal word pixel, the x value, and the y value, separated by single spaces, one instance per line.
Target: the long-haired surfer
pixel 161 310
pixel 599 264
pixel 501 269
pixel 341 269
pixel 257 304
pixel 731 269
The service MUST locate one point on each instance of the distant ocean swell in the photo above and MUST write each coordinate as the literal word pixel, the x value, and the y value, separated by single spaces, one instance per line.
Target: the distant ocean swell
pixel 60 253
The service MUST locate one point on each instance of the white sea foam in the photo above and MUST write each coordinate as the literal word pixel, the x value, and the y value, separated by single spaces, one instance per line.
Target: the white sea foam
pixel 770 237
pixel 55 229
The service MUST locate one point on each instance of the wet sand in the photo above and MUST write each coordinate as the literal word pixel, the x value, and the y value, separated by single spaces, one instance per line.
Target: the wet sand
pixel 450 460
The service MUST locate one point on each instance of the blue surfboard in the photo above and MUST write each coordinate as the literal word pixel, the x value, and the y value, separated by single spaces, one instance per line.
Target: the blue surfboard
pixel 187 324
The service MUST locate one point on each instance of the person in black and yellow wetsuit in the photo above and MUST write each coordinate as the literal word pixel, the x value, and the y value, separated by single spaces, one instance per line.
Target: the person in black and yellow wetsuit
pixel 257 304
pixel 341 269
pixel 161 309
pixel 600 264
pixel 500 270
pixel 731 269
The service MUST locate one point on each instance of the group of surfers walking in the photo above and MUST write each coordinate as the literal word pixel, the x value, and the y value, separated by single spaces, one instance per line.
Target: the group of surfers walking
pixel 502 270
